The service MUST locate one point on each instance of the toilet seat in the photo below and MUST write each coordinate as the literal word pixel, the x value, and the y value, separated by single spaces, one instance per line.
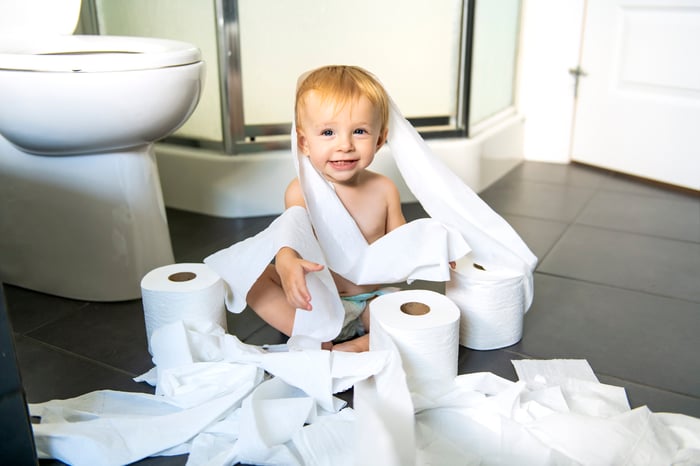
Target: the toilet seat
pixel 94 54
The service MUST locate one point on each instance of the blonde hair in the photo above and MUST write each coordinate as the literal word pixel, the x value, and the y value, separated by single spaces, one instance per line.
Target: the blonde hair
pixel 343 84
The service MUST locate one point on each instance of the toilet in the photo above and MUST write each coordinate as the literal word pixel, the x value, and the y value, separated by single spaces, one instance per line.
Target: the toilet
pixel 81 208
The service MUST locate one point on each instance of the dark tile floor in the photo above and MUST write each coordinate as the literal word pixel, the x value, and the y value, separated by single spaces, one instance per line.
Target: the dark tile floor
pixel 618 284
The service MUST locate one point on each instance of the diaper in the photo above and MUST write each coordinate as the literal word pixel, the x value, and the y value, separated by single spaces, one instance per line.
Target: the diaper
pixel 354 307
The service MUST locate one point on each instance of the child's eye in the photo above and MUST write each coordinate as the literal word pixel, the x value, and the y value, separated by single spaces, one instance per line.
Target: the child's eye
pixel 360 131
pixel 327 132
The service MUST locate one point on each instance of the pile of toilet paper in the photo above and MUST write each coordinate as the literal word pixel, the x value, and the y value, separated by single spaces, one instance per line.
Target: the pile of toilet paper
pixel 225 402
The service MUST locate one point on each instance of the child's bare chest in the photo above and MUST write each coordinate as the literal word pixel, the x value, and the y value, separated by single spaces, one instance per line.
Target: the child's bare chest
pixel 368 211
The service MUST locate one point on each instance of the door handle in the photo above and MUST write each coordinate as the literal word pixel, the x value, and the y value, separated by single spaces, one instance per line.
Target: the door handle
pixel 577 73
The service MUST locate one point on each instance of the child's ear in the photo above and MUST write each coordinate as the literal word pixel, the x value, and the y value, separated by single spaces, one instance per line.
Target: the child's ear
pixel 382 138
pixel 302 143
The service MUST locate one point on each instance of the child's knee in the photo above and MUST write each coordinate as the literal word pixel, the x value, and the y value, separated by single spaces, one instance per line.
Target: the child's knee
pixel 268 279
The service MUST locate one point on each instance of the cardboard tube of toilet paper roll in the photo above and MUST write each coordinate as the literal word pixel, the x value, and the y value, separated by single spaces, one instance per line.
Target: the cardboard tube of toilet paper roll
pixel 491 301
pixel 190 292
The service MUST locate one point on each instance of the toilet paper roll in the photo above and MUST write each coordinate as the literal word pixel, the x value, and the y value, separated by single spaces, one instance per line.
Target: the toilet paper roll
pixel 189 292
pixel 492 303
pixel 424 327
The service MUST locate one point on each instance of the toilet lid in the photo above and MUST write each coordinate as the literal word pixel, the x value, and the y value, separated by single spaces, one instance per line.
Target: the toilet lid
pixel 94 53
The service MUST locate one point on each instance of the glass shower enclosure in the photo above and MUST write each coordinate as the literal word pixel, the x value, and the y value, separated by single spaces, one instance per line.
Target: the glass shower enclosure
pixel 449 64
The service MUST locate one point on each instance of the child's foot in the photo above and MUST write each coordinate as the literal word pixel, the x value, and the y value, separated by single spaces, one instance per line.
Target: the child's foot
pixel 357 345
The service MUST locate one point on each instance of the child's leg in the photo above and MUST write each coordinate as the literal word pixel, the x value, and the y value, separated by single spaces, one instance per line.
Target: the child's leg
pixel 266 297
pixel 356 345
pixel 359 344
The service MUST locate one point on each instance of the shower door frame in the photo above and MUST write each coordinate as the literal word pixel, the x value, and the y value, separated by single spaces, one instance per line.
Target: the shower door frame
pixel 239 138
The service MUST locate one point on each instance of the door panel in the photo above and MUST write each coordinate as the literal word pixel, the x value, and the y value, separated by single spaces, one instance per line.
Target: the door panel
pixel 638 108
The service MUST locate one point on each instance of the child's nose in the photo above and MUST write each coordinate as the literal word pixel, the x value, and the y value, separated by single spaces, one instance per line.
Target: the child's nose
pixel 345 143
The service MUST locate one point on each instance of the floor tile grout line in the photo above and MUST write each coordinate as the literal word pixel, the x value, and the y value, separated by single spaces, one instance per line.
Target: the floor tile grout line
pixel 541 260
pixel 53 320
pixel 66 352
pixel 607 285
pixel 635 233
pixel 646 385
pixel 517 353
pixel 583 208
pixel 568 223
pixel 661 194
pixel 532 217
pixel 510 184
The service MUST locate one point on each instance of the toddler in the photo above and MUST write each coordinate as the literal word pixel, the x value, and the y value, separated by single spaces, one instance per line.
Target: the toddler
pixel 341 116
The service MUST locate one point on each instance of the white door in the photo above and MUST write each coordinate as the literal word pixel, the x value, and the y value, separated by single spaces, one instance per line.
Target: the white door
pixel 638 107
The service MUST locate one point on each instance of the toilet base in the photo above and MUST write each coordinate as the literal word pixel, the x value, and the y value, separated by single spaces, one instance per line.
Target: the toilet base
pixel 86 227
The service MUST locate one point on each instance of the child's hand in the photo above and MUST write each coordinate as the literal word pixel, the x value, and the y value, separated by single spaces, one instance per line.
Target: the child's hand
pixel 292 270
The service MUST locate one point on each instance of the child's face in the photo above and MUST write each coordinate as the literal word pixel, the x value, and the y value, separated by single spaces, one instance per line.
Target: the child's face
pixel 339 141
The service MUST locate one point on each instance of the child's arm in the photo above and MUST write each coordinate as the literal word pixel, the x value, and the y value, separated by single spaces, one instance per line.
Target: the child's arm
pixel 291 268
pixel 394 214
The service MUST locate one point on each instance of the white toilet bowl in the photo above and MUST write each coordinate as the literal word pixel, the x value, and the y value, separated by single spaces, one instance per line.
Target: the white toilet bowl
pixel 81 209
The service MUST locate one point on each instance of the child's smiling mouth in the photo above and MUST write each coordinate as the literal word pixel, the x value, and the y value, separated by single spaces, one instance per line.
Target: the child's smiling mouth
pixel 343 164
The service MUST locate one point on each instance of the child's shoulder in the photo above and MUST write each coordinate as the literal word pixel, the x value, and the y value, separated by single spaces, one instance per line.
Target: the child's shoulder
pixel 380 186
pixel 294 195
pixel 379 180
pixel 372 176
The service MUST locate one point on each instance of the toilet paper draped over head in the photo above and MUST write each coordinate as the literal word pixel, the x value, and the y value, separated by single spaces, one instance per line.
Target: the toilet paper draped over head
pixel 460 223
